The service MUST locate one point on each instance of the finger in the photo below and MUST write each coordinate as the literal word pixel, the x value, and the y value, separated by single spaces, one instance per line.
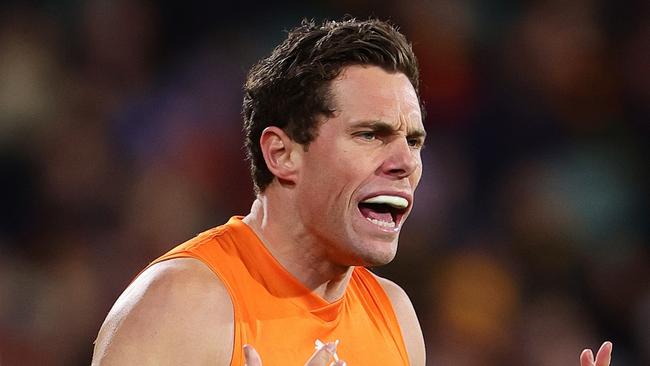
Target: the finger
pixel 587 358
pixel 604 355
pixel 323 355
pixel 251 356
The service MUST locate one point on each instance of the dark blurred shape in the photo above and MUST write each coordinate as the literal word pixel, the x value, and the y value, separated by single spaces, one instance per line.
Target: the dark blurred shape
pixel 19 194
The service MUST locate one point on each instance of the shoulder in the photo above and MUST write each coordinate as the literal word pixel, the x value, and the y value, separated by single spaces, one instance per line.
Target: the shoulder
pixel 407 319
pixel 161 318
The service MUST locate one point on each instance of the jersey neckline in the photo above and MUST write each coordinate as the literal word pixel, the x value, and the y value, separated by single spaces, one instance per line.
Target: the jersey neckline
pixel 282 283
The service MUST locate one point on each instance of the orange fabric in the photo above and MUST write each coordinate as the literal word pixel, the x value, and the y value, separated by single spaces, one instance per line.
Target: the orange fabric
pixel 281 318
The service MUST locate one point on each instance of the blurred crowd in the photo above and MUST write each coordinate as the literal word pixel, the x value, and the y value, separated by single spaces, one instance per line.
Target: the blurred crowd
pixel 120 136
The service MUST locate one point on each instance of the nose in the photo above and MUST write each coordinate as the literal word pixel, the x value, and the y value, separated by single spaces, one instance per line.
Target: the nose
pixel 402 159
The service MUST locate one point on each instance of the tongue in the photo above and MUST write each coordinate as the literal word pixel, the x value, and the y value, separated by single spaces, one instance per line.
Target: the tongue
pixel 372 214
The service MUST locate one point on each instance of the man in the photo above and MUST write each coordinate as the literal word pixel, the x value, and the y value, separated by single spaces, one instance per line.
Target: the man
pixel 333 131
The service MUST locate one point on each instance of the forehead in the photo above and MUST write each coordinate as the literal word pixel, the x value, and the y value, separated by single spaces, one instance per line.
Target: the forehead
pixel 371 93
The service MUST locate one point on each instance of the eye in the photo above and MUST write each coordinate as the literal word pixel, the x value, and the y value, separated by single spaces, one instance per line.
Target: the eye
pixel 367 135
pixel 415 142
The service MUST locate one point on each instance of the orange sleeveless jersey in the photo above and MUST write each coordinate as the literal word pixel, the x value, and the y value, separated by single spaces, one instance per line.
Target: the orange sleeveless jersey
pixel 281 318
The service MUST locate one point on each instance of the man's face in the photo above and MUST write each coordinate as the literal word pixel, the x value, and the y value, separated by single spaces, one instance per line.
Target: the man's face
pixel 356 184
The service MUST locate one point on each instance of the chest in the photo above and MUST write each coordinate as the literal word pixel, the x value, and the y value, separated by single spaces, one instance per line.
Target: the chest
pixel 284 333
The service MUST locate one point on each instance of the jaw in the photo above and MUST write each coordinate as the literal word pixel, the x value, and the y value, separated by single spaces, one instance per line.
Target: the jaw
pixel 373 244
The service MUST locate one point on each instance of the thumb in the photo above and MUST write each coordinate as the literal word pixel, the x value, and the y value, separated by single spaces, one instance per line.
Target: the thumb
pixel 252 358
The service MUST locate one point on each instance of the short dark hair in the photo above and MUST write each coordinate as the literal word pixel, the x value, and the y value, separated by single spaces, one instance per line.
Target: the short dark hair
pixel 291 87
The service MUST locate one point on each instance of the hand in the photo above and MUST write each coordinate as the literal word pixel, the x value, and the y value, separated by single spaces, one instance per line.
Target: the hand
pixel 603 357
pixel 321 357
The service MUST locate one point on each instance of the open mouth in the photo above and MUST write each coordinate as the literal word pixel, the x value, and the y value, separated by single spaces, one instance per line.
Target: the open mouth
pixel 385 211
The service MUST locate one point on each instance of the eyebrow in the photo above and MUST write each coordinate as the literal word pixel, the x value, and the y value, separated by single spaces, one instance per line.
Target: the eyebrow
pixel 382 127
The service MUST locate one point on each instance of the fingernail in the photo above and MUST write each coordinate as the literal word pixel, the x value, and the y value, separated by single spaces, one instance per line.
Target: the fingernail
pixel 608 346
pixel 605 347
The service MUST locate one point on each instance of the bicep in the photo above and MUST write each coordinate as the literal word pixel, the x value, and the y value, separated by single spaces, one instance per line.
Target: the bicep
pixel 175 312
pixel 408 321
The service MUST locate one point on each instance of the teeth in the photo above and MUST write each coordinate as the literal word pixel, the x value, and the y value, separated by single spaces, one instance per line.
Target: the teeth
pixel 386 224
pixel 394 201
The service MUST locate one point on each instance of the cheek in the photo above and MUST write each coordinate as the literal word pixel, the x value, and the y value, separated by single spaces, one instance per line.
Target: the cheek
pixel 338 168
pixel 415 177
pixel 336 165
pixel 325 179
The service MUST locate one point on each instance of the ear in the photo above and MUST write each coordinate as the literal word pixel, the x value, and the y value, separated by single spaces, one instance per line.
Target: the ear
pixel 281 154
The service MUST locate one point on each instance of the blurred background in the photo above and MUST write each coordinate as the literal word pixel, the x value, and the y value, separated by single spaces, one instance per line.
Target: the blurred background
pixel 120 136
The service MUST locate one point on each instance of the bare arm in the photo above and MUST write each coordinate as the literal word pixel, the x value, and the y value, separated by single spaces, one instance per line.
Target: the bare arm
pixel 175 312
pixel 408 321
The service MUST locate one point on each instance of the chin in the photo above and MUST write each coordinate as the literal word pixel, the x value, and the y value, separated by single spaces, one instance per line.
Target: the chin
pixel 371 257
pixel 378 262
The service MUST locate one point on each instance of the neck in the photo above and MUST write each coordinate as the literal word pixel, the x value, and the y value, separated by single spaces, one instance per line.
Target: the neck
pixel 300 253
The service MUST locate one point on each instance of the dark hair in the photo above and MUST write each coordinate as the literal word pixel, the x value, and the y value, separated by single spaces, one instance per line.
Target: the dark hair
pixel 291 87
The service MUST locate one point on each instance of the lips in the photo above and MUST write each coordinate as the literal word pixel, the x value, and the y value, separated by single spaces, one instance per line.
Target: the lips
pixel 384 210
